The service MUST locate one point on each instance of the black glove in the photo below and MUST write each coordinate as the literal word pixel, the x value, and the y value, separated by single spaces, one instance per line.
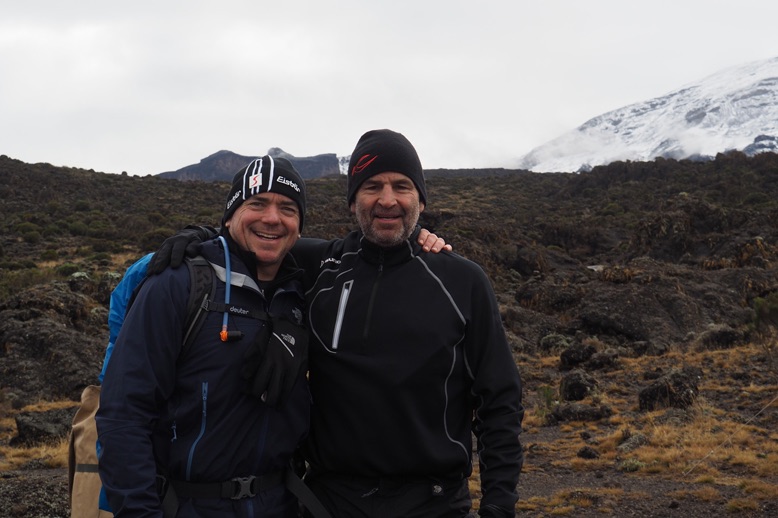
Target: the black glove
pixel 275 361
pixel 186 243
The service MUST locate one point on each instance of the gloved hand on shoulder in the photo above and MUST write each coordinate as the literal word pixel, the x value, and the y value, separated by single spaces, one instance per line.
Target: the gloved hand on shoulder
pixel 186 243
pixel 275 361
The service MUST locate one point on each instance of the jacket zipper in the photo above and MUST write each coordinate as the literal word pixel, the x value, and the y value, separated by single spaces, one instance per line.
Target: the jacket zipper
pixel 200 435
pixel 344 293
pixel 373 295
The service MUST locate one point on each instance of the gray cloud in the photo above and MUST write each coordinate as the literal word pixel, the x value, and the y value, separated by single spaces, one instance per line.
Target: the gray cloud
pixel 152 86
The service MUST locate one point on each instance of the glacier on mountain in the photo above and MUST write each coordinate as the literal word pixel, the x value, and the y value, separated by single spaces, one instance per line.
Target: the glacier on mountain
pixel 734 109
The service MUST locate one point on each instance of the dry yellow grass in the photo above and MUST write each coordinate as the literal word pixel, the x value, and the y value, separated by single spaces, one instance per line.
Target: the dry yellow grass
pixel 716 451
pixel 706 494
pixel 759 489
pixel 713 451
pixel 53 455
pixel 49 455
pixel 739 505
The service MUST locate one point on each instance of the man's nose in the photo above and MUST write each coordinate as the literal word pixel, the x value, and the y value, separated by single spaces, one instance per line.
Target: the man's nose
pixel 387 197
pixel 271 214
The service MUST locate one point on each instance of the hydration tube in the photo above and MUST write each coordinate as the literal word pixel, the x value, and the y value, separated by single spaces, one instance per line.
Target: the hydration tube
pixel 224 335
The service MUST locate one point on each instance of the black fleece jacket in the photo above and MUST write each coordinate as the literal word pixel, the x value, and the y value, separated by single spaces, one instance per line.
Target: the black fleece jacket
pixel 408 356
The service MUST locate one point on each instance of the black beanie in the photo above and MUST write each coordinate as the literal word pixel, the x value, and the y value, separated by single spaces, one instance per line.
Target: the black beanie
pixel 266 174
pixel 381 151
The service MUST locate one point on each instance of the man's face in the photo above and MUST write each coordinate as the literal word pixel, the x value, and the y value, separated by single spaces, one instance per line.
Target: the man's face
pixel 267 224
pixel 387 207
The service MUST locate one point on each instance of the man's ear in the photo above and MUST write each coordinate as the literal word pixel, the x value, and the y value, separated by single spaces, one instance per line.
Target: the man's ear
pixel 353 207
pixel 421 207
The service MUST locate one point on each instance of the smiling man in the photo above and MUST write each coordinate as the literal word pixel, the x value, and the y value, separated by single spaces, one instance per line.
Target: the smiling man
pixel 408 358
pixel 186 412
pixel 264 214
pixel 388 209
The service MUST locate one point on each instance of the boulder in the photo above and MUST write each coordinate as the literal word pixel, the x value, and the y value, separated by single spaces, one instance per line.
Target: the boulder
pixel 576 385
pixel 678 389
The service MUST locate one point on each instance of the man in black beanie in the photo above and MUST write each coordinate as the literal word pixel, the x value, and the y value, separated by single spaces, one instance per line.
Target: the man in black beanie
pixel 408 358
pixel 384 150
pixel 221 415
pixel 283 185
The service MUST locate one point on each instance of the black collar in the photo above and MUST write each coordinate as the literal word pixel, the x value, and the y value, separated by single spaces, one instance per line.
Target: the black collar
pixel 401 253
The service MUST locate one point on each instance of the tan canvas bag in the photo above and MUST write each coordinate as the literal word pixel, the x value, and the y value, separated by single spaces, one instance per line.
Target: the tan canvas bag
pixel 83 480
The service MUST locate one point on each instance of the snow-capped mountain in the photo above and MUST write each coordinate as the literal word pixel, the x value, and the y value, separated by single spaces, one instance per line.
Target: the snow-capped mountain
pixel 736 108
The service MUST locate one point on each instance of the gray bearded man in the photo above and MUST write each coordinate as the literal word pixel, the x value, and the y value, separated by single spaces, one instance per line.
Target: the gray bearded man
pixel 408 358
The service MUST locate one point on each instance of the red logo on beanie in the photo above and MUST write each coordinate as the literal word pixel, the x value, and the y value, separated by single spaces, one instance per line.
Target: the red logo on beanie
pixel 362 163
pixel 255 181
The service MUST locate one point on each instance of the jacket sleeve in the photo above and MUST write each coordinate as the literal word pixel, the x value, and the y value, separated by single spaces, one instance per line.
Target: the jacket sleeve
pixel 138 381
pixel 497 391
pixel 309 253
pixel 120 296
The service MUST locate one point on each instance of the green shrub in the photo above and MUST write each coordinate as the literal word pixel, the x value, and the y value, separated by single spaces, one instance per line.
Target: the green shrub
pixel 156 218
pixel 766 324
pixel 18 280
pixel 82 206
pixel 49 255
pixel 12 265
pixel 54 208
pixel 103 257
pixel 101 245
pixel 67 269
pixel 631 465
pixel 151 241
pixel 78 228
pixel 52 229
pixel 611 209
pixel 766 311
pixel 32 237
pixel 26 227
pixel 547 400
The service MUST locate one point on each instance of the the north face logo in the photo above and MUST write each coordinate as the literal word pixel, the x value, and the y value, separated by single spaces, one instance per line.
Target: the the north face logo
pixel 288 338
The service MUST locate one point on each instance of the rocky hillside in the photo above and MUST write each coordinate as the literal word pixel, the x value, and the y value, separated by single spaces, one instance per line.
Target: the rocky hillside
pixel 643 256
pixel 609 282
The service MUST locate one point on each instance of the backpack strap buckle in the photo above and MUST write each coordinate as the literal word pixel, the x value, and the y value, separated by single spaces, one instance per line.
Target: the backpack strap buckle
pixel 242 487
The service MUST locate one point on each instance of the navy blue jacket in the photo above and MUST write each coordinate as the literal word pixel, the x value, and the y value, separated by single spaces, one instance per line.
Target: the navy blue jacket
pixel 184 412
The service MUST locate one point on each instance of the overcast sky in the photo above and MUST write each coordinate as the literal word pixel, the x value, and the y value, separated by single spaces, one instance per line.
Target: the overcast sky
pixel 152 86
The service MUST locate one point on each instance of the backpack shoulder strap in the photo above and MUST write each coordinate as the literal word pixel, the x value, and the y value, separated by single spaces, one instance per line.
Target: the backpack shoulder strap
pixel 202 285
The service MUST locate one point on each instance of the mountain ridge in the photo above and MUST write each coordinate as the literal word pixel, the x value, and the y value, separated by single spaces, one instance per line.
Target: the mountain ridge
pixel 222 165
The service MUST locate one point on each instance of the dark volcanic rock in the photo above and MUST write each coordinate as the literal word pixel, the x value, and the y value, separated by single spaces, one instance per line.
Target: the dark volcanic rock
pixel 677 389
pixel 43 427
pixel 53 341
pixel 576 385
